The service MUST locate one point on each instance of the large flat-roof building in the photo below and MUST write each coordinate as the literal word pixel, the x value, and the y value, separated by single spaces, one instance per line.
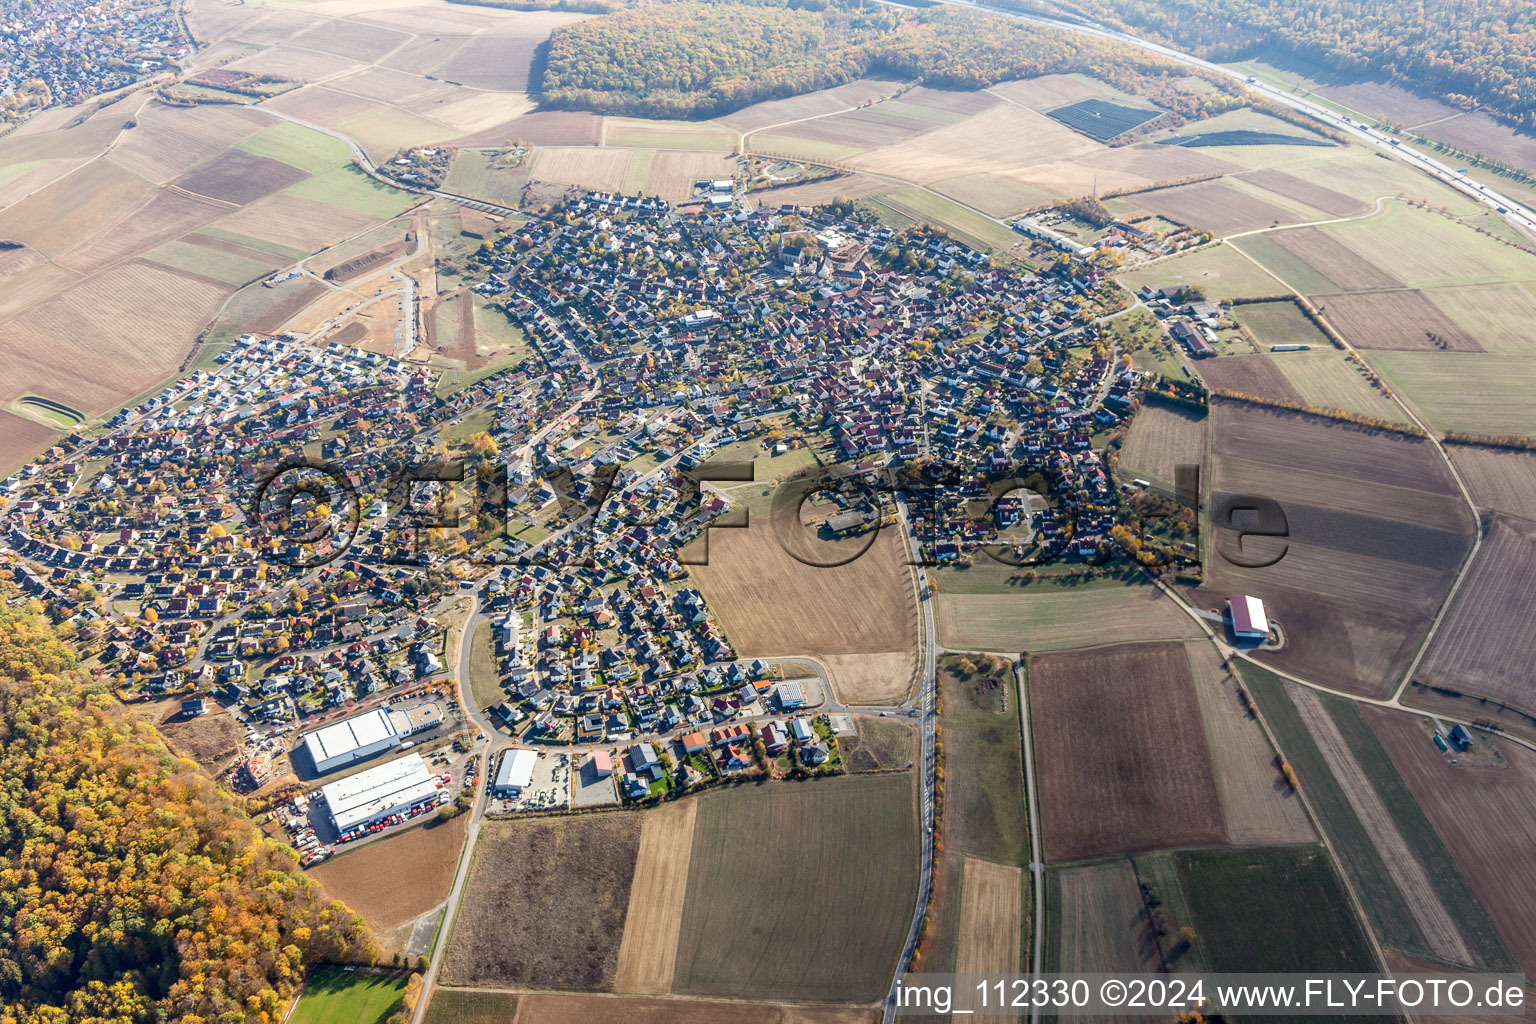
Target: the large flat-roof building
pixel 514 773
pixel 351 740
pixel 390 788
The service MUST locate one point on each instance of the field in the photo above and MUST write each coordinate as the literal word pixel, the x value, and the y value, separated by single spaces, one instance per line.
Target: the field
pixel 335 996
pixel 1221 271
pixel 1376 531
pixel 879 744
pixel 484 677
pixel 1213 206
pixel 1482 647
pixel 984 808
pixel 1258 804
pixel 295 222
pixel 1397 319
pixel 1503 480
pixel 872 678
pixel 1470 391
pixel 298 147
pixel 991 909
pixel 548 1008
pixel 1486 817
pixel 20 440
pixel 1096 920
pixel 1326 379
pixel 351 189
pixel 1253 373
pixel 1101 119
pixel 980 231
pixel 1049 617
pixel 1309 193
pixel 211 740
pixel 589 167
pixel 1399 866
pixel 992 193
pixel 455 1006
pixel 394 881
pixel 771 604
pixel 1280 323
pixel 1276 909
pixel 803 888
pixel 527 919
pixel 648 953
pixel 1118 729
pixel 1002 139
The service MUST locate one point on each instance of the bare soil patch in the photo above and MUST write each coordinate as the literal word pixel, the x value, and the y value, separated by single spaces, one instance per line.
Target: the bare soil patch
pixel 1500 479
pixel 1319 197
pixel 545 903
pixel 548 1008
pixel 1400 319
pixel 542 128
pixel 240 177
pixel 648 954
pixel 1214 206
pixel 1251 374
pixel 991 908
pixel 1335 260
pixel 872 678
pixel 21 440
pixel 207 739
pixel 1118 729
pixel 586 166
pixel 1162 438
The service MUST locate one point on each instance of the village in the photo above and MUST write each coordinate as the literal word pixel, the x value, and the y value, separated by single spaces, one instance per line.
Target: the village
pixel 277 539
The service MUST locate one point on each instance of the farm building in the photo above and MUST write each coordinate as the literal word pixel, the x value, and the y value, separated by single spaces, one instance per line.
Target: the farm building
pixel 515 772
pixel 351 740
pixel 1186 335
pixel 1249 621
pixel 389 788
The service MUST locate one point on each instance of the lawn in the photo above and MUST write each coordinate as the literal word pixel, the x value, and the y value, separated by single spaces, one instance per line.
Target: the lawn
pixel 1277 909
pixel 351 189
pixel 484 679
pixel 337 996
pixel 298 147
pixel 800 889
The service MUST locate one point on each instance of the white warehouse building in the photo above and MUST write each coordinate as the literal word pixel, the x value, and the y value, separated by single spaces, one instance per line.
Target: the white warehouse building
pixel 351 740
pixel 515 772
pixel 390 788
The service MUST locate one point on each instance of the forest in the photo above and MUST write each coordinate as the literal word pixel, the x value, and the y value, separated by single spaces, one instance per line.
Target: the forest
pixel 1469 54
pixel 698 59
pixel 132 889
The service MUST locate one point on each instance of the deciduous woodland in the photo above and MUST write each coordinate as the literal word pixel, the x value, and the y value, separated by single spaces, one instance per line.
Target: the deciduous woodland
pixel 697 58
pixel 131 888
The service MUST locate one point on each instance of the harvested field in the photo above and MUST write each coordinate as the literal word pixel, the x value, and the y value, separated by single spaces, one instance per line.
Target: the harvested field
pixel 1497 315
pixel 844 846
pixel 478 1006
pixel 1349 270
pixel 1273 909
pixel 424 55
pixel 1325 378
pixel 811 104
pixel 1398 319
pixel 21 440
pixel 1049 91
pixel 860 129
pixel 393 881
pixel 999 140
pixel 872 678
pixel 1252 374
pixel 772 604
pixel 672 173
pixel 108 338
pixel 1431 916
pixel 1481 393
pixel 1485 816
pixel 1375 535
pixel 297 223
pixel 1311 194
pixel 585 166
pixel 1500 479
pixel 547 1008
pixel 1212 206
pixel 346 37
pixel 1483 645
pixel 542 128
pixel 1097 921
pixel 491 63
pixel 648 954
pixel 880 744
pixel 1162 437
pixel 1257 802
pixel 1045 617
pixel 166 215
pixel 83 203
pixel 160 151
pixel 815 193
pixel 1479 132
pixel 991 910
pixel 1386 102
pixel 1118 729
pixel 994 194
pixel 523 872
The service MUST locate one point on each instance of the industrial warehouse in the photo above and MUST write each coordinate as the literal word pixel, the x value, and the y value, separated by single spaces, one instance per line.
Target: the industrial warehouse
pixel 372 732
pixel 395 787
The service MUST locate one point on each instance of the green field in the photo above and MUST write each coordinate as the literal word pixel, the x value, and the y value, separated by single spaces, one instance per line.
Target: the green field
pixel 494 327
pixel 1477 392
pixel 1218 270
pixel 1276 909
pixel 351 189
pixel 977 229
pixel 1324 377
pixel 484 679
pixel 197 259
pixel 637 173
pixel 1285 265
pixel 984 808
pixel 287 252
pixel 1426 249
pixel 336 996
pixel 1280 323
pixel 1051 617
pixel 454 1006
pixel 473 175
pixel 800 887
pixel 303 148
